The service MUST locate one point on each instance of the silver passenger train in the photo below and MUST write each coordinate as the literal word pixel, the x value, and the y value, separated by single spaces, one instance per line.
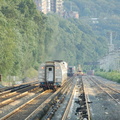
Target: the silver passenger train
pixel 71 70
pixel 52 74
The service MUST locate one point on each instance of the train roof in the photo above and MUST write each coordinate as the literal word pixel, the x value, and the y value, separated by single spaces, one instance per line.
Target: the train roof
pixel 54 61
pixel 58 60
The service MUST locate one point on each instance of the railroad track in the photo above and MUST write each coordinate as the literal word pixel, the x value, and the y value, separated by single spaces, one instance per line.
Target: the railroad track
pixel 12 115
pixel 11 94
pixel 82 111
pixel 15 99
pixel 67 110
pixel 52 102
pixel 110 87
pixel 45 105
pixel 62 110
pixel 66 90
pixel 23 111
pixel 11 97
pixel 111 92
pixel 6 90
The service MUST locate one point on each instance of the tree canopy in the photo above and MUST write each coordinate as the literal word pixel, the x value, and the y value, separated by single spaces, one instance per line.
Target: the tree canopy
pixel 28 37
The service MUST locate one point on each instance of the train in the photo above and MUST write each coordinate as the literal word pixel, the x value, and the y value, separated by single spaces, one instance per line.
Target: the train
pixel 71 70
pixel 79 73
pixel 52 74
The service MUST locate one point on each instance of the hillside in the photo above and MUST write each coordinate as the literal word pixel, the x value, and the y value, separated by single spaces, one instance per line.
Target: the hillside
pixel 74 41
pixel 22 31
pixel 28 38
pixel 107 14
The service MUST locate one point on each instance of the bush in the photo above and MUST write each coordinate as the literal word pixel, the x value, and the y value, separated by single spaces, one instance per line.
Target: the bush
pixel 114 76
pixel 31 73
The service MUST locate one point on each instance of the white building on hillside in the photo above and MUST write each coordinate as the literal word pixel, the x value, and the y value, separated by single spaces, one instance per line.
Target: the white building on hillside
pixel 47 6
pixel 112 60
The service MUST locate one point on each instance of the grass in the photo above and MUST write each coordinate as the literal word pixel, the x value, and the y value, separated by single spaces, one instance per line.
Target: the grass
pixel 9 80
pixel 31 73
pixel 114 76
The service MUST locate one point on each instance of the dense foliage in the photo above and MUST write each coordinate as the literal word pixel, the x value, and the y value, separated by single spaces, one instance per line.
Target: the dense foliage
pixel 22 31
pixel 115 76
pixel 28 37
pixel 107 14
pixel 94 8
pixel 74 41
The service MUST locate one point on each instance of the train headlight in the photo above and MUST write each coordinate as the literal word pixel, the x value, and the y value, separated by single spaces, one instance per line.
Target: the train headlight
pixel 42 67
pixel 57 68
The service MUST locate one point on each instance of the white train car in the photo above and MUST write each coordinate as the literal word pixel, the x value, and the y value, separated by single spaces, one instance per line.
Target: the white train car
pixel 52 74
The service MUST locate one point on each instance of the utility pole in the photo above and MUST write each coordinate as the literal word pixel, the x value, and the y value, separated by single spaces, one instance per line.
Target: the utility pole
pixel 111 45
pixel 71 8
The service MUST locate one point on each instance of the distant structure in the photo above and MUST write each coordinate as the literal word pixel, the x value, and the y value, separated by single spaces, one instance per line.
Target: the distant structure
pixel 42 5
pixel 95 20
pixel 111 45
pixel 59 6
pixel 52 6
pixel 71 14
pixel 112 60
pixel 46 6
pixel 55 6
pixel 75 14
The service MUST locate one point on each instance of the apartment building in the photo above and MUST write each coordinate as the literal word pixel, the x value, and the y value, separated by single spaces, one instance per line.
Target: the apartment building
pixel 59 6
pixel 53 5
pixel 43 5
pixel 46 6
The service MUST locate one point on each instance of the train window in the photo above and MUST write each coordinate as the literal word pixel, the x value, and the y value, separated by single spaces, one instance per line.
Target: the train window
pixel 50 69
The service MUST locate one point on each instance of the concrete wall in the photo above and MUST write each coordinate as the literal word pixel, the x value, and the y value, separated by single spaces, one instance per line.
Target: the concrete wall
pixel 111 61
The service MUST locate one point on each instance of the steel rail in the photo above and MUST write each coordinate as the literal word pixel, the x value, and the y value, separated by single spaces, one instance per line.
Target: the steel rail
pixel 15 92
pixel 106 91
pixel 118 91
pixel 87 101
pixel 59 101
pixel 8 101
pixel 16 87
pixel 17 109
pixel 42 106
pixel 68 105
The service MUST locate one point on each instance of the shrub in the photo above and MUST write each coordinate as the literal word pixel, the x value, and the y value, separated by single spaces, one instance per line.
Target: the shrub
pixel 31 73
pixel 114 76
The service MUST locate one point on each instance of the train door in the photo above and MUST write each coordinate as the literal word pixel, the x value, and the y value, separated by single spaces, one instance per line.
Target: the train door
pixel 50 73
